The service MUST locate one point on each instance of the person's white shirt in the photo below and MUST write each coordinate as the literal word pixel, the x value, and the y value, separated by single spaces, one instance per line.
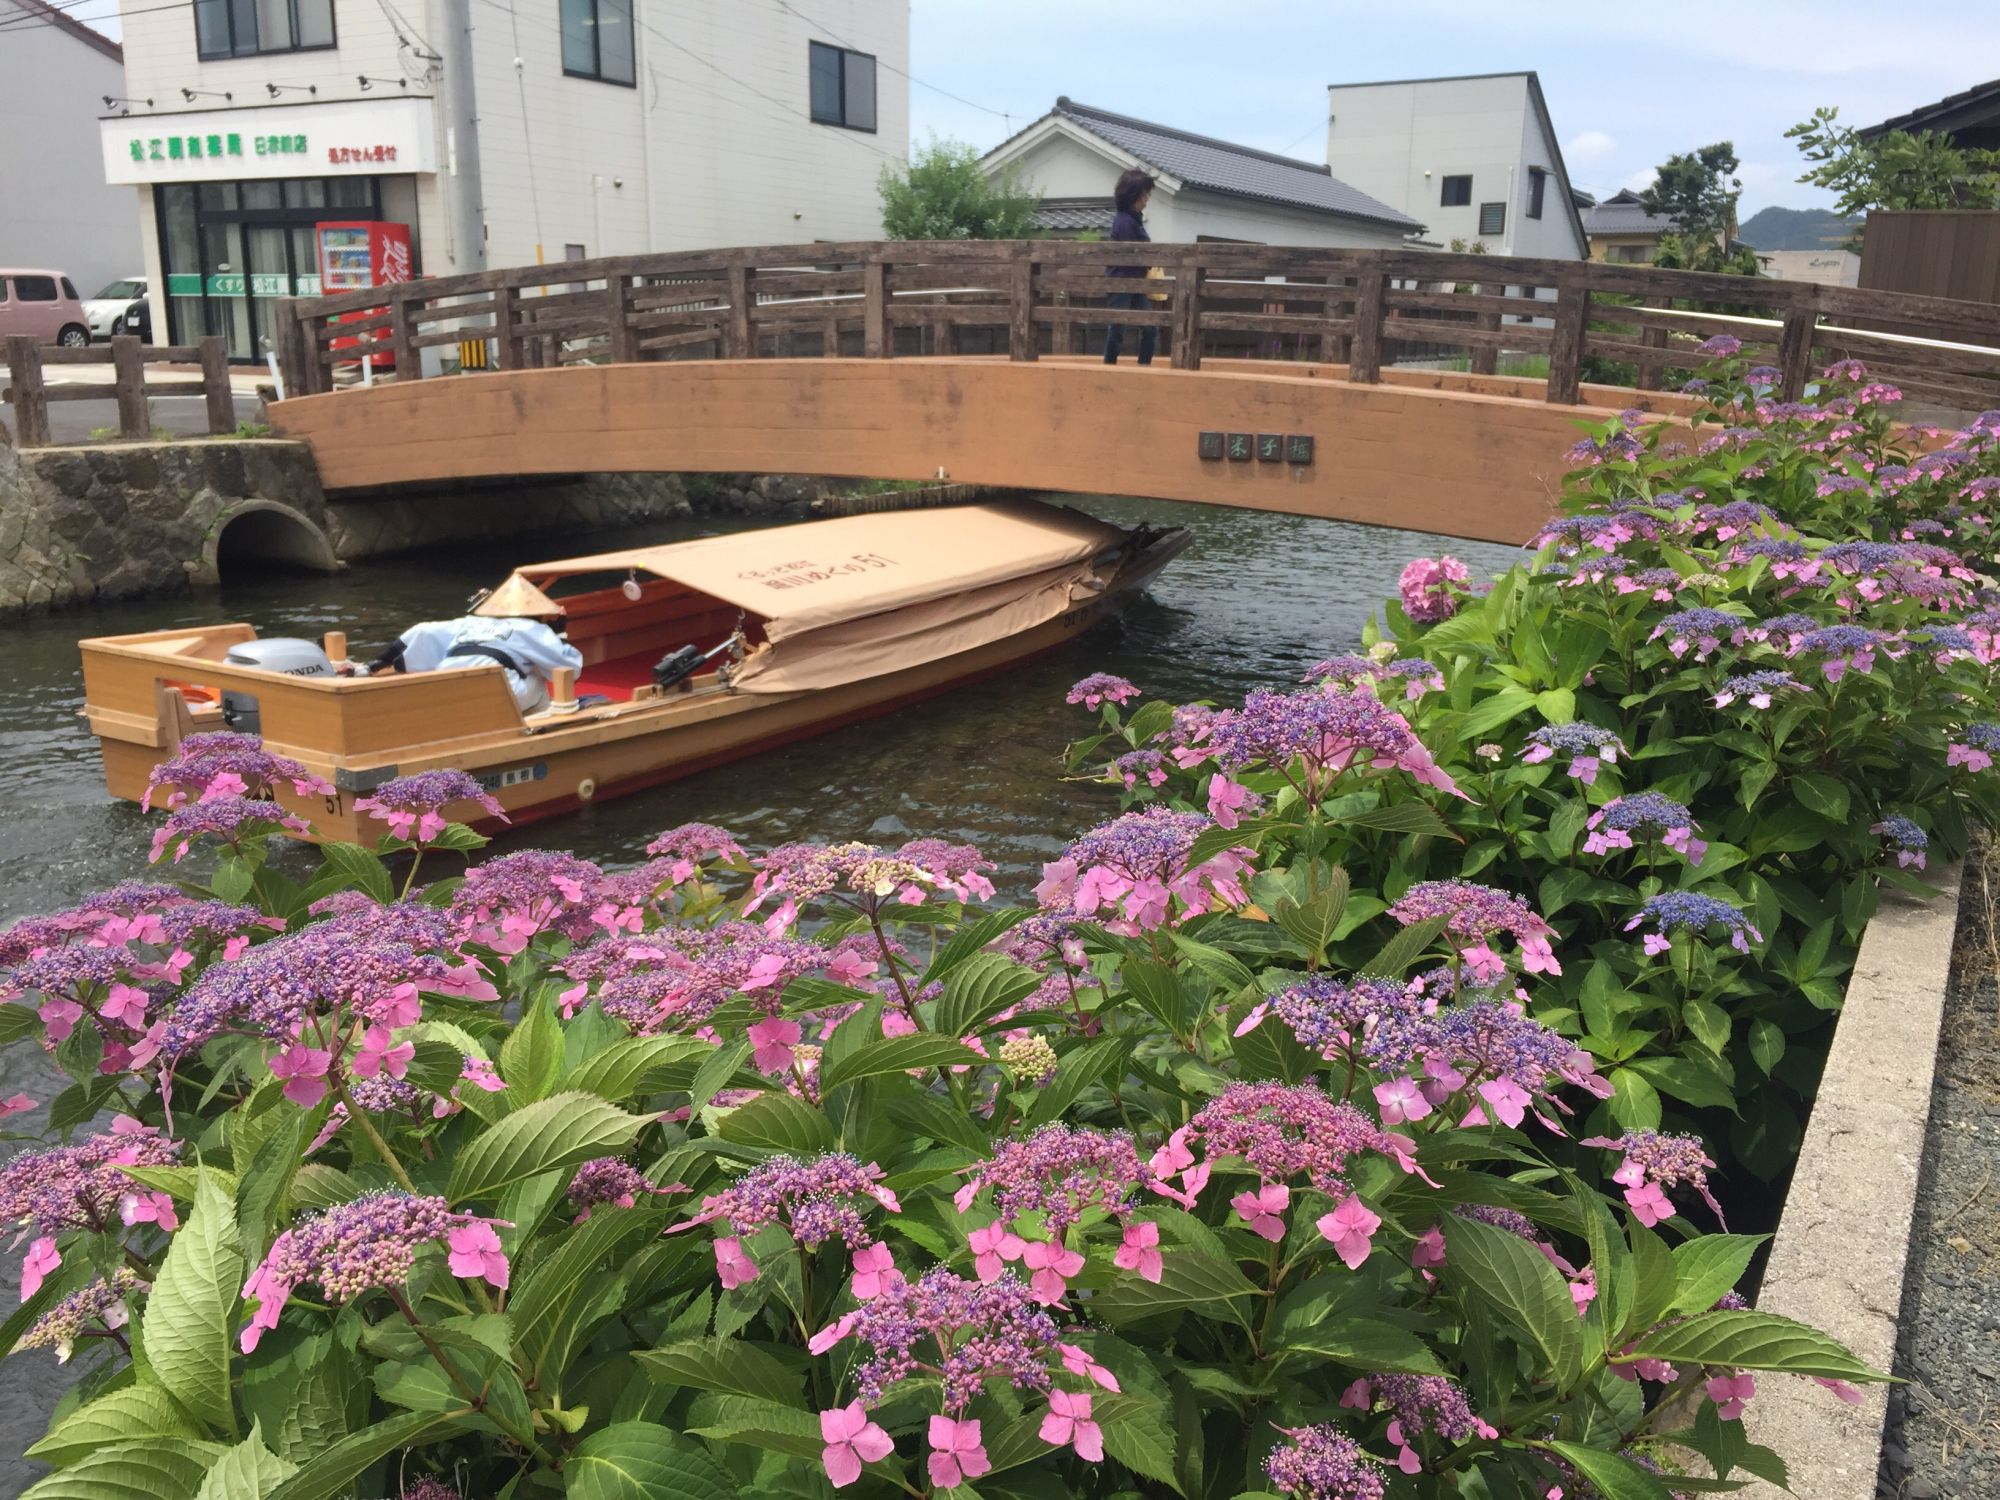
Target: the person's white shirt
pixel 427 645
pixel 427 648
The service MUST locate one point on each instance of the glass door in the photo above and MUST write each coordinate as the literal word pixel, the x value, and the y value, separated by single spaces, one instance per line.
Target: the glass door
pixel 227 285
pixel 270 276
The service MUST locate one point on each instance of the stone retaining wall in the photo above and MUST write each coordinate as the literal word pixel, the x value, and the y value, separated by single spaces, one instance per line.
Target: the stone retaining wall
pixel 120 520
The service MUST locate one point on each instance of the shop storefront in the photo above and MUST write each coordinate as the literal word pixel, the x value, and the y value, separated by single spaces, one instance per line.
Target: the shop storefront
pixel 237 194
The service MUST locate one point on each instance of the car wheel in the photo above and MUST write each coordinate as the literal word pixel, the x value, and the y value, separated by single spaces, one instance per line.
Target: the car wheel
pixel 75 336
pixel 117 327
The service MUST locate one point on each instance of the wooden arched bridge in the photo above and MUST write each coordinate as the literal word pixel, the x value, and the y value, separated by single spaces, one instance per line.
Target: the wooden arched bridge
pixel 1405 388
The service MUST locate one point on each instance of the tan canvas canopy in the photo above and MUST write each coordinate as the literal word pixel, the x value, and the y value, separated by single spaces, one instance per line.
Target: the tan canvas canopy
pixel 808 577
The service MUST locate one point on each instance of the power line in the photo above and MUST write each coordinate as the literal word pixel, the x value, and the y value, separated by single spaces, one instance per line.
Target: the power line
pixel 790 111
pixel 833 36
pixel 1312 131
pixel 28 20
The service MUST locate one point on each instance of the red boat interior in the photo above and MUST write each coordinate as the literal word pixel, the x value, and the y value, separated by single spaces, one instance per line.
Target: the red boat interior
pixel 622 638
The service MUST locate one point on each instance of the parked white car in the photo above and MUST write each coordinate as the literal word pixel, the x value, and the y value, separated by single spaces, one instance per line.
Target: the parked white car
pixel 121 308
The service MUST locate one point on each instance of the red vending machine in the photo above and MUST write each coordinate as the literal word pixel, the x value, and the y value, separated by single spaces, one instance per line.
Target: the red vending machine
pixel 354 256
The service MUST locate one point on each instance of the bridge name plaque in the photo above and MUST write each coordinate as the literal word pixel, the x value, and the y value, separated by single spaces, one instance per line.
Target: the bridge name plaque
pixel 1265 447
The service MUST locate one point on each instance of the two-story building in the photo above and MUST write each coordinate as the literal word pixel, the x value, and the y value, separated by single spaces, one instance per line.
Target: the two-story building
pixel 1475 158
pixel 598 127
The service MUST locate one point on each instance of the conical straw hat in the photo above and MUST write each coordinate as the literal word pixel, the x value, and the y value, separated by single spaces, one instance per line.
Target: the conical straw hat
pixel 516 598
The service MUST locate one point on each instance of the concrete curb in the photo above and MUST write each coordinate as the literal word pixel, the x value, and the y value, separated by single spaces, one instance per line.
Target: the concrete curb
pixel 1837 1262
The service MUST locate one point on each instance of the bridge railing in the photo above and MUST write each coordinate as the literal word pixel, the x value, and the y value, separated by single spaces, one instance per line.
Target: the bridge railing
pixel 1560 322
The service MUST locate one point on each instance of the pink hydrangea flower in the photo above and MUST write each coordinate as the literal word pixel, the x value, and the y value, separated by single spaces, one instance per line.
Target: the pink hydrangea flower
pixel 149 1208
pixel 42 1258
pixel 475 1252
pixel 1052 1266
pixel 874 1271
pixel 1227 800
pixel 1077 1361
pixel 1140 1251
pixel 304 1070
pixel 1350 1229
pixel 1263 1209
pixel 1068 1424
pixel 733 1266
pixel 851 1441
pixel 992 1247
pixel 957 1454
pixel 776 1040
pixel 1731 1393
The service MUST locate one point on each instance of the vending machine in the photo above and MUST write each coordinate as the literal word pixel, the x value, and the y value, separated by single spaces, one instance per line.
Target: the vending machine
pixel 357 255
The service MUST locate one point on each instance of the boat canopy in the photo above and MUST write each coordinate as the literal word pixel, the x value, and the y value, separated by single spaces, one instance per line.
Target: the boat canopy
pixel 808 577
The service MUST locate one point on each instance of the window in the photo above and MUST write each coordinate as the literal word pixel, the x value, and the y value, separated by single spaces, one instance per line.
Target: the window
pixel 122 291
pixel 1457 192
pixel 597 40
pixel 246 28
pixel 1492 218
pixel 69 290
pixel 1630 255
pixel 843 87
pixel 3 288
pixel 1538 182
pixel 35 288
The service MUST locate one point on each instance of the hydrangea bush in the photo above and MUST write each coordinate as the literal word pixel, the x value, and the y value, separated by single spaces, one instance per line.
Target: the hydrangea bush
pixel 1321 1129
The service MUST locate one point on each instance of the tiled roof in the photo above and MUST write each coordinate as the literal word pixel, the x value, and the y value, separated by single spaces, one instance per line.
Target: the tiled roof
pixel 1979 104
pixel 1241 171
pixel 1073 213
pixel 50 15
pixel 1623 213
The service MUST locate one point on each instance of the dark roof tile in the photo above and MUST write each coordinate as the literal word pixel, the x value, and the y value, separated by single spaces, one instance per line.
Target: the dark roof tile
pixel 1242 171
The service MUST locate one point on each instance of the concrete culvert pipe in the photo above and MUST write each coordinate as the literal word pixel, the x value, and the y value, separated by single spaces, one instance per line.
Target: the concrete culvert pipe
pixel 264 534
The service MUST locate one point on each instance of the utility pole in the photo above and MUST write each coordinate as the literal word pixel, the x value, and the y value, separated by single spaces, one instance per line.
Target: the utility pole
pixel 466 203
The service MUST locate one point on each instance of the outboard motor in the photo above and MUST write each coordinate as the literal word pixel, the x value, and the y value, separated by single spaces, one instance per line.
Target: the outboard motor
pixel 287 654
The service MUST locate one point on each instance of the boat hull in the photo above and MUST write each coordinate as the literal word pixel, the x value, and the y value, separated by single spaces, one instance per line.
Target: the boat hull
pixel 556 768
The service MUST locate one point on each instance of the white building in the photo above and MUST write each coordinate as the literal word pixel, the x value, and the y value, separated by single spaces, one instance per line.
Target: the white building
pixel 1475 158
pixel 1208 190
pixel 56 210
pixel 604 127
pixel 1827 267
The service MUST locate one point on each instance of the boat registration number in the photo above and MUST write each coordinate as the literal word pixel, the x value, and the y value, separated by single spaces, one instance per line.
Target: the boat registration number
pixel 515 776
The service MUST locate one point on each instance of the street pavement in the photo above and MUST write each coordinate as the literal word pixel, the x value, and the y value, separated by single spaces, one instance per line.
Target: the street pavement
pixel 181 416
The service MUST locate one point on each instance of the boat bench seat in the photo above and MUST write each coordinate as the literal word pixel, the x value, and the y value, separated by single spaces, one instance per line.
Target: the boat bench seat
pixel 617 677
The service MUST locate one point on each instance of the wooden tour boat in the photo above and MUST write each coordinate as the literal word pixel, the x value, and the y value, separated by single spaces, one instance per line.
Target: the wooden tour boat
pixel 801 629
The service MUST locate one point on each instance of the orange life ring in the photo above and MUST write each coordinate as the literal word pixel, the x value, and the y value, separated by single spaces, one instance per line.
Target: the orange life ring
pixel 197 696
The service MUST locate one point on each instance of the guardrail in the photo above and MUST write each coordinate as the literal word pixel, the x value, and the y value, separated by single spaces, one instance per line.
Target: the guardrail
pixel 1358 309
pixel 30 394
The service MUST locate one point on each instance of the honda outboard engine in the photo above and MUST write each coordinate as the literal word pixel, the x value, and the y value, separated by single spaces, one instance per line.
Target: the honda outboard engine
pixel 287 654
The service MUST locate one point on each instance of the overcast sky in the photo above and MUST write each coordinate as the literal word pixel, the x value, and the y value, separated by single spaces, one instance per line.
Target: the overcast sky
pixel 1627 84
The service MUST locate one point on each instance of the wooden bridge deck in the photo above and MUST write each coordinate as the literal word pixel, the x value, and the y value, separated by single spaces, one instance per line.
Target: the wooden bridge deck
pixel 693 361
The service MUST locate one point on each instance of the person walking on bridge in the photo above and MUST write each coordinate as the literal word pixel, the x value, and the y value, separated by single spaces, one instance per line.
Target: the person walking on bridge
pixel 1134 190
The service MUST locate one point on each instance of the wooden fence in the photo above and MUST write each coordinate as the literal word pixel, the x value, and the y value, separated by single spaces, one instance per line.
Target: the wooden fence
pixel 1937 253
pixel 30 394
pixel 1633 325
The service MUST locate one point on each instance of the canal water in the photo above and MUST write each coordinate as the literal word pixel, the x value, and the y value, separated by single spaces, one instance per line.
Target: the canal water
pixel 1255 601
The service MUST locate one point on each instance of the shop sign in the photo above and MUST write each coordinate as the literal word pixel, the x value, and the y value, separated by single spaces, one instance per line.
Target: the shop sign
pixel 232 284
pixel 332 139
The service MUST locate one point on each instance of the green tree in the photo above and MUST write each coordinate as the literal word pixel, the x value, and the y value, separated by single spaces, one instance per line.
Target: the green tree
pixel 1894 171
pixel 1679 252
pixel 1698 191
pixel 945 194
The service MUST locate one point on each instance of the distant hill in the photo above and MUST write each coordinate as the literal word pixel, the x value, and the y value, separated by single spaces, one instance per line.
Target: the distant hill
pixel 1796 229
